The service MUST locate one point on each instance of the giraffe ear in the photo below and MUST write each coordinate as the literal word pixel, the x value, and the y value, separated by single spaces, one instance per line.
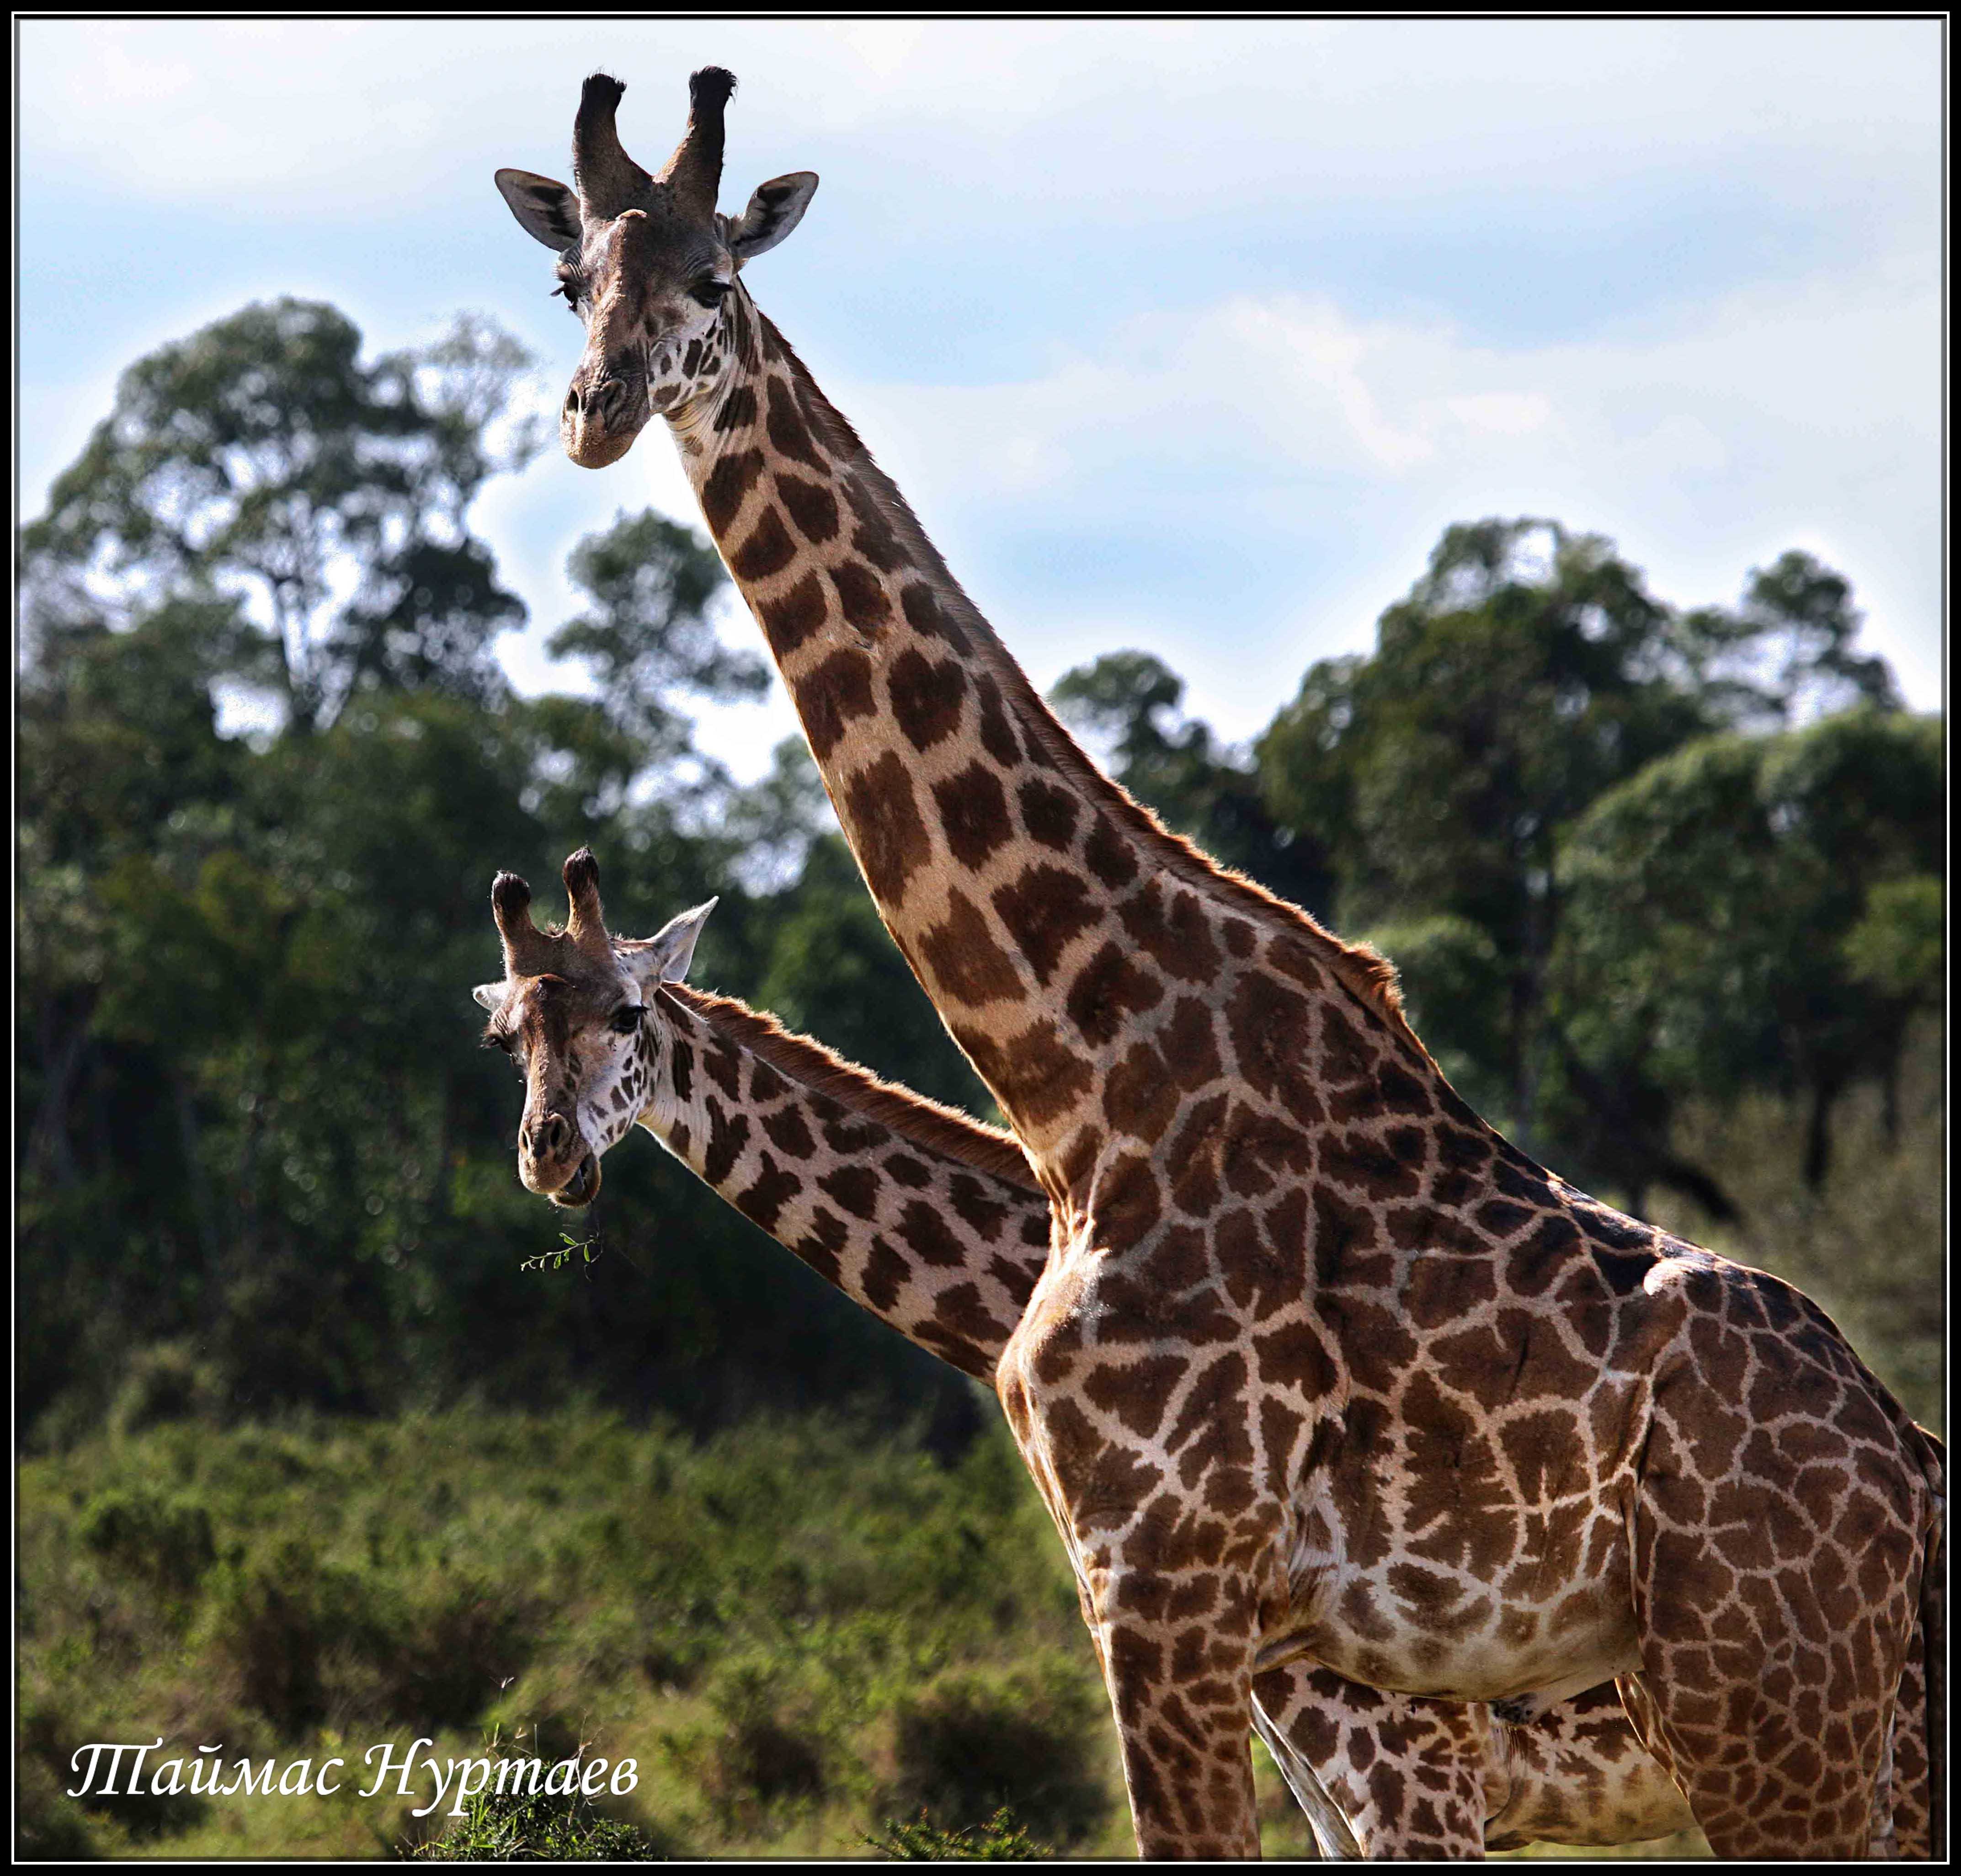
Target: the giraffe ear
pixel 663 959
pixel 773 210
pixel 491 996
pixel 547 211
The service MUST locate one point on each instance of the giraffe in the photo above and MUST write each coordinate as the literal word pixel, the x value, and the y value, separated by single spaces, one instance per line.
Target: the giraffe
pixel 1319 1366
pixel 933 1223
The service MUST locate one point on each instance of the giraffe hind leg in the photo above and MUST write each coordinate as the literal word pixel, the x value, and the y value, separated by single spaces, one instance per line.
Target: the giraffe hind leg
pixel 1919 1734
pixel 1332 1834
pixel 1768 1690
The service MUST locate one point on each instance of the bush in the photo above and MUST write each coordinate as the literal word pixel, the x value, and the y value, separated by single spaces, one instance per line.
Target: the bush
pixel 456 1647
pixel 502 1827
pixel 165 1382
pixel 167 1543
pixel 275 1621
pixel 976 1740
pixel 1000 1840
pixel 49 1826
pixel 770 1749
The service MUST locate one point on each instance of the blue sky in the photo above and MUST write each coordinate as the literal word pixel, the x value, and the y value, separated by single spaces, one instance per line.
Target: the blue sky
pixel 1187 336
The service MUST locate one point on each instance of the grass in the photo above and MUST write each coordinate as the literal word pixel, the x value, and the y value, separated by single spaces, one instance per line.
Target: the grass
pixel 799 1633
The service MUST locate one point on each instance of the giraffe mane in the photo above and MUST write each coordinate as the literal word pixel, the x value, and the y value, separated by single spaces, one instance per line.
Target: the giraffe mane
pixel 1359 968
pixel 818 1070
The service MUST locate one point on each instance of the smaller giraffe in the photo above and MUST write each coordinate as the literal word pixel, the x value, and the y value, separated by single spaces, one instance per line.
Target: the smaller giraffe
pixel 934 1224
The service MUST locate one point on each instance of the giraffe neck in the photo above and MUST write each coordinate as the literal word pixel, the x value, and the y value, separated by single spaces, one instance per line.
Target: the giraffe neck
pixel 1042 909
pixel 925 1219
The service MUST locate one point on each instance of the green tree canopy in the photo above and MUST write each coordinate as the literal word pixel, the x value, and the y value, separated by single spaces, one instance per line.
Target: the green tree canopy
pixel 1755 910
pixel 1528 675
pixel 648 632
pixel 1129 704
pixel 262 460
pixel 253 1118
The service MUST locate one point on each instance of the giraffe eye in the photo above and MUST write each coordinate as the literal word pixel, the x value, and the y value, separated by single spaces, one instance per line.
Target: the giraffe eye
pixel 626 1018
pixel 709 291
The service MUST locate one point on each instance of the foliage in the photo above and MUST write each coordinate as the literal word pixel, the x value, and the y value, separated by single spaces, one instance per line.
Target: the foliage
pixel 262 460
pixel 1754 952
pixel 1123 701
pixel 649 634
pixel 509 1826
pixel 999 1840
pixel 1528 680
pixel 245 1136
pixel 1666 889
pixel 973 1742
pixel 745 1618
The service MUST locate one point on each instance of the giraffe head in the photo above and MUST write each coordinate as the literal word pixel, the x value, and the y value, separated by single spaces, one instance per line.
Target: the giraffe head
pixel 646 263
pixel 573 1011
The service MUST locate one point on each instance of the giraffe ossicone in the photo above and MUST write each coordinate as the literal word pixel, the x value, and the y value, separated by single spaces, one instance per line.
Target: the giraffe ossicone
pixel 1320 1367
pixel 934 1224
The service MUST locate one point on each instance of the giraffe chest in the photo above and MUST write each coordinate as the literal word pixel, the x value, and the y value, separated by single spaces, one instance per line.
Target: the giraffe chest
pixel 1401 1533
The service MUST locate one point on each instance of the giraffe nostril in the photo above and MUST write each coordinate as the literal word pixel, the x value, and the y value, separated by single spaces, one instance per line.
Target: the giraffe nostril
pixel 550 1138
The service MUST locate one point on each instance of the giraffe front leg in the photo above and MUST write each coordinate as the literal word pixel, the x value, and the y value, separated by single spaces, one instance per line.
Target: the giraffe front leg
pixel 1182 1694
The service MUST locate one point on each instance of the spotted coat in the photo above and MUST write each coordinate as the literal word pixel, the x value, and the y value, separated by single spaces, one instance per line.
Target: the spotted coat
pixel 1320 1366
pixel 934 1224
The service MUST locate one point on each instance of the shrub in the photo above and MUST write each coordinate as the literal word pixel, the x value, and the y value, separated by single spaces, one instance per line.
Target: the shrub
pixel 275 1620
pixel 461 1644
pixel 167 1543
pixel 49 1826
pixel 975 1740
pixel 1000 1839
pixel 770 1747
pixel 165 1382
pixel 494 1829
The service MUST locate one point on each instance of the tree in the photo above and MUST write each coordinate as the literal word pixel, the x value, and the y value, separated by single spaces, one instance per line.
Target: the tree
pixel 254 1124
pixel 261 460
pixel 1528 675
pixel 1128 702
pixel 1754 911
pixel 649 632
pixel 1527 671
pixel 1784 656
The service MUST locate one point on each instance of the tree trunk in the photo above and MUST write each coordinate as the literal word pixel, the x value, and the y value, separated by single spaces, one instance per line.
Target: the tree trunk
pixel 1817 1134
pixel 190 1144
pixel 48 1144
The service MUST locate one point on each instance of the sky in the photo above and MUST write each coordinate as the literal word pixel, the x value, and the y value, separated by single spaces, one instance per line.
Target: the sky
pixel 1191 337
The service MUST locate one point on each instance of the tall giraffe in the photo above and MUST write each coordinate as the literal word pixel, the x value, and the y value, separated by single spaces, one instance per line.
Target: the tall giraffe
pixel 1319 1365
pixel 933 1223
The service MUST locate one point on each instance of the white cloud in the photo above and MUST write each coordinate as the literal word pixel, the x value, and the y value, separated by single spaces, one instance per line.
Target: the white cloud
pixel 1279 426
pixel 1149 115
pixel 1281 459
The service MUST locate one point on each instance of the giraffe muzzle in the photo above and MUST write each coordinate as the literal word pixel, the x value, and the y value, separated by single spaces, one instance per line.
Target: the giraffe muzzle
pixel 582 1188
pixel 554 1162
pixel 599 423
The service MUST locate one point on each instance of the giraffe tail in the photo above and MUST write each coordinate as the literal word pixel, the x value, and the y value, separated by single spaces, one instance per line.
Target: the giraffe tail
pixel 1920 1717
pixel 1933 1646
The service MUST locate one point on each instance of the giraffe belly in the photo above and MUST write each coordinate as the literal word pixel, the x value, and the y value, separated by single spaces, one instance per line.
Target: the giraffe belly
pixel 1571 1647
pixel 1431 1615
